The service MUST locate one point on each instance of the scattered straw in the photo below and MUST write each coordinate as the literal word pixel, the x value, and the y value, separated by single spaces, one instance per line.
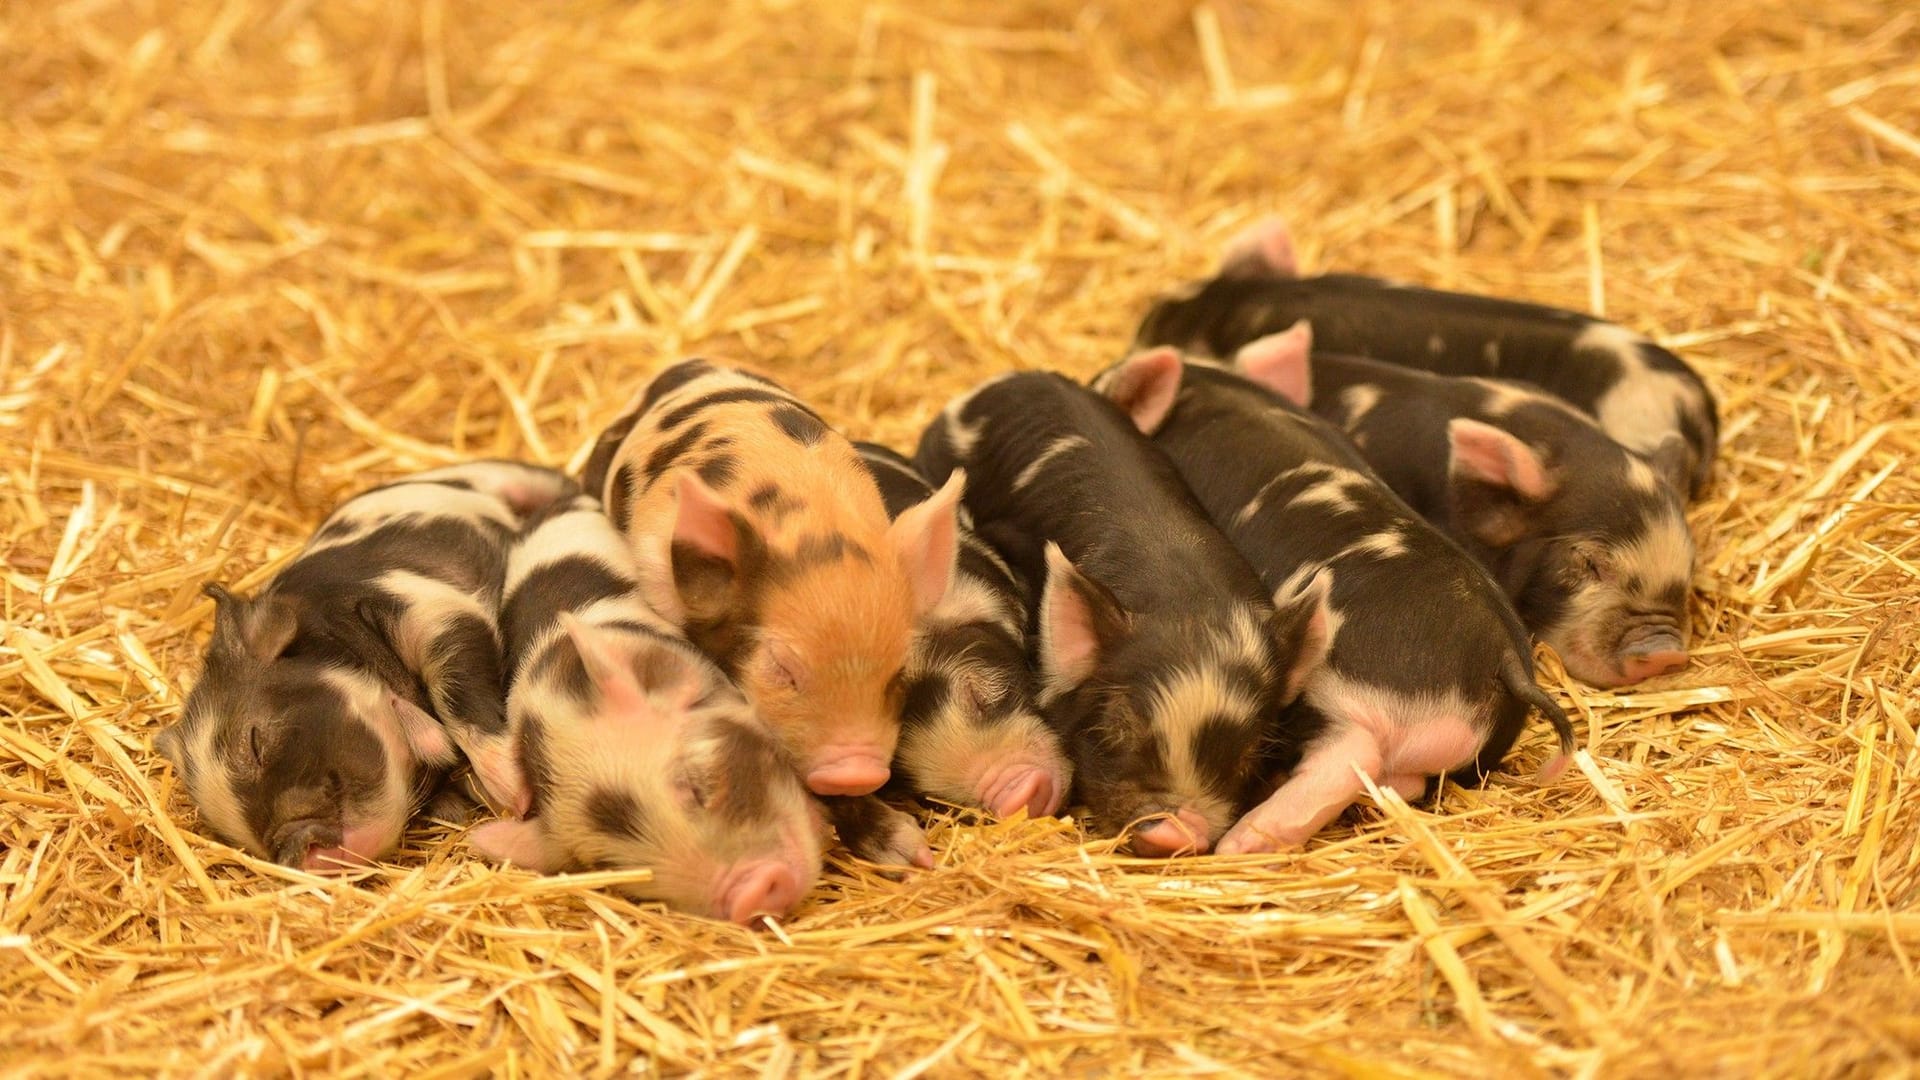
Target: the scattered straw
pixel 255 255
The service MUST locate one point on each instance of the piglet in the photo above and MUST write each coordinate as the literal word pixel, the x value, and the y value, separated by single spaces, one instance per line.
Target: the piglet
pixel 1162 660
pixel 1428 670
pixel 1642 395
pixel 639 751
pixel 1589 543
pixel 332 703
pixel 762 537
pixel 970 734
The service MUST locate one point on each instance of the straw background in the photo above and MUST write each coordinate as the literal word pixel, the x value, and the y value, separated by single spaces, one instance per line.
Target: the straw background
pixel 256 254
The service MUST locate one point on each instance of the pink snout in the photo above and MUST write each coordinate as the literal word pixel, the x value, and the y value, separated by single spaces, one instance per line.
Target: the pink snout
pixel 857 773
pixel 1655 655
pixel 768 888
pixel 331 860
pixel 1184 833
pixel 1012 789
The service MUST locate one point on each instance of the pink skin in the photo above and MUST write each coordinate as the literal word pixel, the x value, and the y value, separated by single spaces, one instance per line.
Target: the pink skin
pixel 1262 249
pixel 754 889
pixel 359 846
pixel 1282 362
pixel 1184 833
pixel 1390 753
pixel 1647 665
pixel 1021 785
pixel 499 773
pixel 857 772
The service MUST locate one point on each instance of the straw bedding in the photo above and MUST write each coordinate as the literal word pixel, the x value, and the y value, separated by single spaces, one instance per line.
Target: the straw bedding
pixel 255 255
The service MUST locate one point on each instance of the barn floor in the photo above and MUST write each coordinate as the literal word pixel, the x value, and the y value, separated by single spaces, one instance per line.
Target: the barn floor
pixel 256 254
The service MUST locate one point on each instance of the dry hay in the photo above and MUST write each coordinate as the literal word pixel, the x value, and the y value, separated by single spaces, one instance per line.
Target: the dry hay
pixel 256 254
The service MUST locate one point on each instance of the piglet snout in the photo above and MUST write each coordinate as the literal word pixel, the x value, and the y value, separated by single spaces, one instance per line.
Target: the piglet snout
pixel 1654 654
pixel 1182 833
pixel 1013 788
pixel 765 888
pixel 857 773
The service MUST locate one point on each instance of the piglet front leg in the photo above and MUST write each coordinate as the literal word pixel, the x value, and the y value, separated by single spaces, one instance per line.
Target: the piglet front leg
pixel 1325 783
pixel 878 833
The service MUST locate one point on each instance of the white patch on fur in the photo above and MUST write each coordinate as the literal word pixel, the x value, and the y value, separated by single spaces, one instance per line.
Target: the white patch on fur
pixel 1356 402
pixel 579 533
pixel 516 483
pixel 1182 704
pixel 962 436
pixel 430 605
pixel 1492 354
pixel 951 756
pixel 1397 721
pixel 969 600
pixel 1330 493
pixel 211 783
pixel 390 808
pixel 1386 544
pixel 1063 445
pixel 1436 345
pixel 1645 406
pixel 425 501
pixel 1640 475
pixel 1663 555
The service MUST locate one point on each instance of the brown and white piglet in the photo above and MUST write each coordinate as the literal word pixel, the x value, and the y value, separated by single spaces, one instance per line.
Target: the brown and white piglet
pixel 1163 661
pixel 638 751
pixel 970 733
pixel 1428 670
pixel 333 703
pixel 1585 538
pixel 761 536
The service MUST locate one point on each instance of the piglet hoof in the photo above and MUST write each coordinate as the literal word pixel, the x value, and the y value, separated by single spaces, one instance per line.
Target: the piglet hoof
pixel 1031 788
pixel 899 842
pixel 1184 833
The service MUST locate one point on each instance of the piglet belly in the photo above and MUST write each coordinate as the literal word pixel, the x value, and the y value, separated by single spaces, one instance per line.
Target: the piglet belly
pixel 1417 735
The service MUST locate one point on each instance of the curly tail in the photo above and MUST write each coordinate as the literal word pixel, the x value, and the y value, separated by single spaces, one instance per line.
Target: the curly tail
pixel 1522 686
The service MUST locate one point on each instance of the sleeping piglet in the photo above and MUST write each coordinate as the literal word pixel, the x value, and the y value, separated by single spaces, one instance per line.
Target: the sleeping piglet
pixel 970 734
pixel 334 701
pixel 1645 397
pixel 639 751
pixel 1428 670
pixel 1588 542
pixel 1163 661
pixel 761 536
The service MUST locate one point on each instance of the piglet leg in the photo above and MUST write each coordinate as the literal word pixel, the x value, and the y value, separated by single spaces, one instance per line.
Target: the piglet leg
pixel 878 833
pixel 1324 784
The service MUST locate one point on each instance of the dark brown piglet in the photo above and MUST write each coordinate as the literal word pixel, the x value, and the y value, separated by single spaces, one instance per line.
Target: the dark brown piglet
pixel 1428 670
pixel 1642 395
pixel 1163 661
pixel 1589 543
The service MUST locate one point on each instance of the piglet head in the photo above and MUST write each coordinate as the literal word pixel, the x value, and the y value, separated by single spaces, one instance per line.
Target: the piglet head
pixel 307 762
pixel 667 769
pixel 1165 750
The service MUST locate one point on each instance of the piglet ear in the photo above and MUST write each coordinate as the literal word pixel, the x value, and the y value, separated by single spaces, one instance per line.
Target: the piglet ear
pixel 1303 628
pixel 1263 249
pixel 703 522
pixel 256 629
pixel 607 667
pixel 1281 362
pixel 927 538
pixel 171 743
pixel 1669 461
pixel 1490 455
pixel 1079 619
pixel 424 735
pixel 1145 386
pixel 523 843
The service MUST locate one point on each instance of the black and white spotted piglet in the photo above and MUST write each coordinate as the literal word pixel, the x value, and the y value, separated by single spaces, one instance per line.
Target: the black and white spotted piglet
pixel 970 733
pixel 1428 670
pixel 332 702
pixel 1163 661
pixel 1642 395
pixel 1587 541
pixel 641 753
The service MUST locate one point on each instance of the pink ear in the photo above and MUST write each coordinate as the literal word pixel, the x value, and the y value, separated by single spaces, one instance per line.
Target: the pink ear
pixel 1145 385
pixel 608 669
pixel 1304 621
pixel 1262 249
pixel 1282 362
pixel 704 522
pixel 424 735
pixel 519 842
pixel 927 538
pixel 1492 456
pixel 1073 614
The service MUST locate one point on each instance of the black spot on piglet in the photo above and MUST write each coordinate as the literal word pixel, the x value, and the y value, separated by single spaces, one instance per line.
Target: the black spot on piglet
pixel 800 425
